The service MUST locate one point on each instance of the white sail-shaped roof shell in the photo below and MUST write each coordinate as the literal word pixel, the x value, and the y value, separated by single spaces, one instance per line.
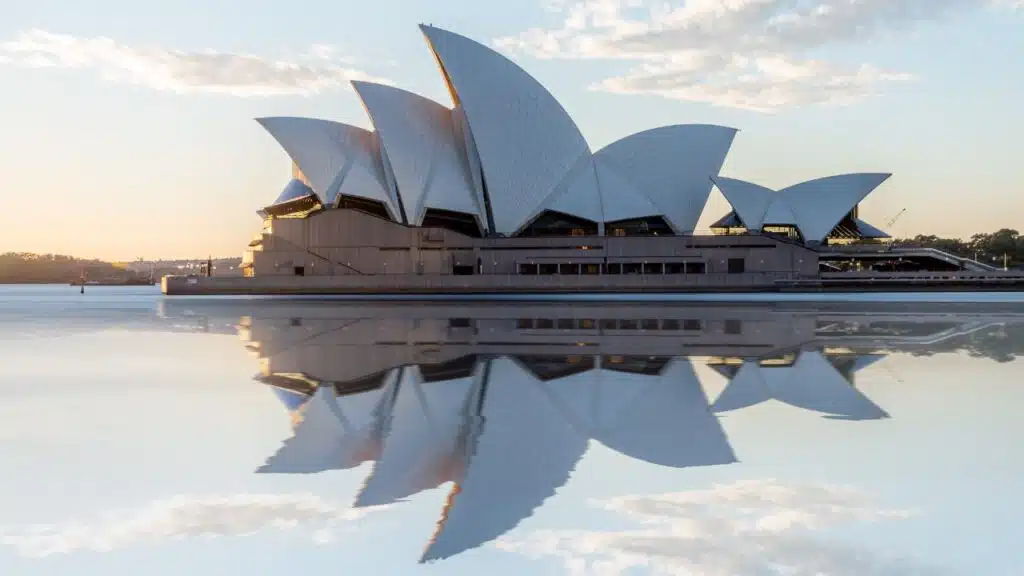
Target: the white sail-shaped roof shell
pixel 425 150
pixel 336 432
pixel 422 439
pixel 663 419
pixel 869 231
pixel 811 383
pixel 750 201
pixel 336 159
pixel 526 450
pixel 815 207
pixel 820 204
pixel 577 195
pixel 527 143
pixel 293 191
pixel 672 166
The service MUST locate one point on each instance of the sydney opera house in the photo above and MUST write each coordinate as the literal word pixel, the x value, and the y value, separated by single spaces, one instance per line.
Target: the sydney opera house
pixel 500 191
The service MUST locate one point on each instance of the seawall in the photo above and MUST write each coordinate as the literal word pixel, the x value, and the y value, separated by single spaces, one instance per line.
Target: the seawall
pixel 412 285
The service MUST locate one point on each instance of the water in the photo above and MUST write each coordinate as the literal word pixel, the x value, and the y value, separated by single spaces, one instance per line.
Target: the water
pixel 241 436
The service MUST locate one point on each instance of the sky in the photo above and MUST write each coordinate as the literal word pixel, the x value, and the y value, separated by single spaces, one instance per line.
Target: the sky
pixel 128 125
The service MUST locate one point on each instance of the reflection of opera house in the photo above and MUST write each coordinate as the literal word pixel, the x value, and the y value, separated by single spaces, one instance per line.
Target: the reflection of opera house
pixel 500 191
pixel 504 410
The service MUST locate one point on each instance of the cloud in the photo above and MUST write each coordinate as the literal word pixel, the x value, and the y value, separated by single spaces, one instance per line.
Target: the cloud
pixel 751 54
pixel 244 75
pixel 181 517
pixel 754 527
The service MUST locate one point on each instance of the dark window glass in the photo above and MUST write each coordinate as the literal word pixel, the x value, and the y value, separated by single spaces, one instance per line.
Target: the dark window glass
pixel 691 325
pixel 670 324
pixel 569 269
pixel 696 267
pixel 566 324
pixel 373 207
pixel 653 268
pixel 544 324
pixel 548 269
pixel 649 324
pixel 613 268
pixel 652 226
pixel 455 221
pixel 524 323
pixel 733 326
pixel 737 265
pixel 675 268
pixel 608 324
pixel 528 269
pixel 551 223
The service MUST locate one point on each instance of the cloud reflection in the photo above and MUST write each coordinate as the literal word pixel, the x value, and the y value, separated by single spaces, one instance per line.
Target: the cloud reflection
pixel 749 527
pixel 184 517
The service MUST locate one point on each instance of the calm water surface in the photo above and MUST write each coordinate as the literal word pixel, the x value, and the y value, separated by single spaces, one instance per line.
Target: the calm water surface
pixel 143 435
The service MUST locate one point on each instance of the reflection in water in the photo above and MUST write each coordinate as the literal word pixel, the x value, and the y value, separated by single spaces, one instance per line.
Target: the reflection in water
pixel 813 381
pixel 503 402
pixel 185 516
pixel 751 527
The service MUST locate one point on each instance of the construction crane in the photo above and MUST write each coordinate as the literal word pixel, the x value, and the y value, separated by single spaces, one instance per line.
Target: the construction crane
pixel 893 220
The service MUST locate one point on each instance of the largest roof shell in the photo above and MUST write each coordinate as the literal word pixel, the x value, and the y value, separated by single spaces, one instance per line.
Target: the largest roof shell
pixel 527 143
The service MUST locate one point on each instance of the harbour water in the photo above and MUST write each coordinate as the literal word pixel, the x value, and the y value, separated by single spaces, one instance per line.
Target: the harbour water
pixel 146 435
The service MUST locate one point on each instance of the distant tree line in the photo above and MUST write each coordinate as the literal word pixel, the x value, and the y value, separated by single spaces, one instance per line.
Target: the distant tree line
pixel 26 268
pixel 987 248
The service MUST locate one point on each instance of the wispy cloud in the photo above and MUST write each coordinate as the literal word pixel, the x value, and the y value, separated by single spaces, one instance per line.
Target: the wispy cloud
pixel 184 516
pixel 754 527
pixel 751 54
pixel 320 69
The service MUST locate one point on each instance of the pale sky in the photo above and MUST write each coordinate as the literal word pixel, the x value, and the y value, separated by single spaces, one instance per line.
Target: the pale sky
pixel 128 124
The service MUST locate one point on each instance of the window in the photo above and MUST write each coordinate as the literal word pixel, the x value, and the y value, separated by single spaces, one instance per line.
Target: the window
pixel 653 268
pixel 544 324
pixel 691 325
pixel 528 269
pixel 458 323
pixel 613 268
pixel 628 325
pixel 670 324
pixel 675 268
pixel 548 269
pixel 569 269
pixel 649 324
pixel 462 270
pixel 737 265
pixel 632 268
pixel 566 324
pixel 607 324
pixel 650 226
pixel 696 267
pixel 587 324
pixel 733 326
pixel 524 323
pixel 592 269
pixel 300 270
